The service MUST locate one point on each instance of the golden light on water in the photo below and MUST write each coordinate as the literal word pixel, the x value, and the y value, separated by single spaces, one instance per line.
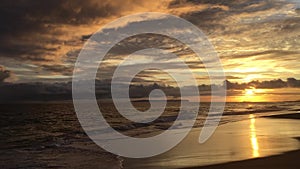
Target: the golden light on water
pixel 253 95
pixel 253 138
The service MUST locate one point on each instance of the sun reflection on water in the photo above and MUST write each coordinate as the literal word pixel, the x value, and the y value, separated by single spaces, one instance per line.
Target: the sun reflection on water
pixel 253 138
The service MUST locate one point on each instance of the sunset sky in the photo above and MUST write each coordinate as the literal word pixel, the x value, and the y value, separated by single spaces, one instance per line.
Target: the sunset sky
pixel 255 39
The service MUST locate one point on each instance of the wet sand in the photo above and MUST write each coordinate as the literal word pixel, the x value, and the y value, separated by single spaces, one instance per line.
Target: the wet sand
pixel 287 160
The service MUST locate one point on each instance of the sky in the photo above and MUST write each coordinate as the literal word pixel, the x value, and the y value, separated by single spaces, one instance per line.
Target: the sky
pixel 255 39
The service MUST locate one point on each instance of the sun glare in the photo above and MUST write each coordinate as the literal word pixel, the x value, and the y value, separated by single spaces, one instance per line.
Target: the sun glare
pixel 250 92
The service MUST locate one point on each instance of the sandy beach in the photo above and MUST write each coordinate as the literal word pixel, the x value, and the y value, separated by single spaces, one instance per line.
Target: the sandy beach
pixel 262 143
pixel 281 161
pixel 286 160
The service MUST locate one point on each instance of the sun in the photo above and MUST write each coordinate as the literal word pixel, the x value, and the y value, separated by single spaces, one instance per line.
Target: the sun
pixel 250 92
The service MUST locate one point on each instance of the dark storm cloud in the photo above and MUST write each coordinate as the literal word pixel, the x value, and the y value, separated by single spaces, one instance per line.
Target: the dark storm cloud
pixel 28 26
pixel 27 16
pixel 46 34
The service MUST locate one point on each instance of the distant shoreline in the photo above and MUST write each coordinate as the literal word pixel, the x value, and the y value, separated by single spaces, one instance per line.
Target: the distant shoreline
pixel 169 100
pixel 110 100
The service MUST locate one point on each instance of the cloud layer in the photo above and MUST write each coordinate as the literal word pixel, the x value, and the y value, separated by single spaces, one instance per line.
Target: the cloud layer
pixel 256 39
